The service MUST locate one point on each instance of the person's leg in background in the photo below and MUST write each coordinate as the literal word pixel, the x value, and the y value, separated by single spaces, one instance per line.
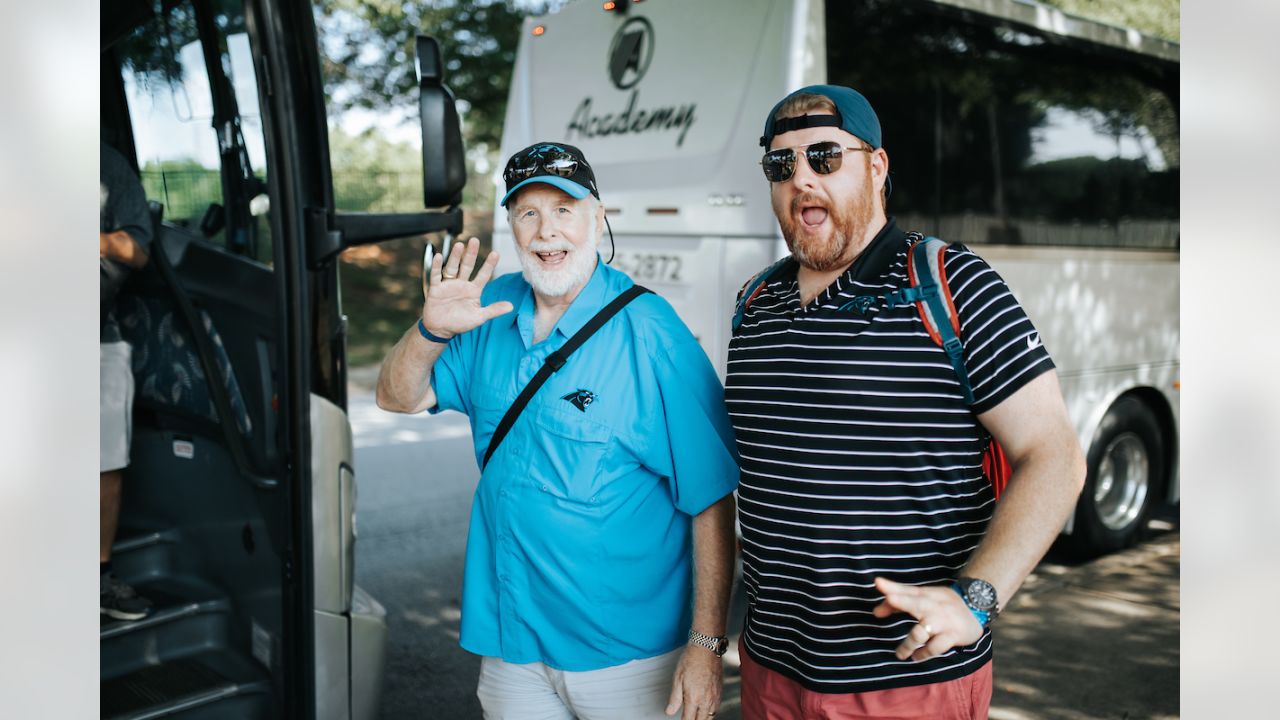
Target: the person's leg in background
pixel 116 598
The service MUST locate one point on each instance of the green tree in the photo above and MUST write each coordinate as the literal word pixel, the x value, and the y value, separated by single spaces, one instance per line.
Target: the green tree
pixel 183 185
pixel 374 174
pixel 369 55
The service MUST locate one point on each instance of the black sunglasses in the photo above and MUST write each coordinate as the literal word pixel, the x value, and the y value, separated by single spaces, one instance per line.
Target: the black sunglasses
pixel 554 162
pixel 824 157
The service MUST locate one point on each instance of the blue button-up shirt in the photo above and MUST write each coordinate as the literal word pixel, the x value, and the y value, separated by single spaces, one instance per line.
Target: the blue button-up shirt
pixel 579 553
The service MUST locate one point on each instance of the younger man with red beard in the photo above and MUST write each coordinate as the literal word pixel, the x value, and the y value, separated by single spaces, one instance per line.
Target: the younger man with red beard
pixel 600 550
pixel 874 554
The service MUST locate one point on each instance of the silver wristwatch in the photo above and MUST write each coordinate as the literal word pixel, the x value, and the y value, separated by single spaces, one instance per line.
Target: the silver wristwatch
pixel 717 645
pixel 980 596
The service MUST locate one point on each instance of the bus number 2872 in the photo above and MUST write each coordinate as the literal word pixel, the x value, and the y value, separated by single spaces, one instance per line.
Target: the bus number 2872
pixel 650 266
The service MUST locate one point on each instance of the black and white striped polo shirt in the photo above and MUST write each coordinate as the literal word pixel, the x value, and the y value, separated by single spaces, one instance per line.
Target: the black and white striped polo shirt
pixel 860 458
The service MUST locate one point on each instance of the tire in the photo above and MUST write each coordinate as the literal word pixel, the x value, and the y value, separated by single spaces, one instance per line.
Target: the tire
pixel 1126 474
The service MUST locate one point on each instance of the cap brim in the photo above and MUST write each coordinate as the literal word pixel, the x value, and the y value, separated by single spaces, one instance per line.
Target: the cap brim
pixel 576 191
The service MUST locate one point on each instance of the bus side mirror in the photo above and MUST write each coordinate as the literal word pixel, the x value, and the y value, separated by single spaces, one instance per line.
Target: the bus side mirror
pixel 444 173
pixel 444 169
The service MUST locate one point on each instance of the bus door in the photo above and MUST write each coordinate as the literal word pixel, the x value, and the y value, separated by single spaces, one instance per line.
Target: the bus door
pixel 206 525
pixel 238 503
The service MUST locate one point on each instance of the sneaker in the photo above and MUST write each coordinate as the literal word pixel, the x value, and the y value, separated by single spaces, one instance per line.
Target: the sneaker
pixel 120 601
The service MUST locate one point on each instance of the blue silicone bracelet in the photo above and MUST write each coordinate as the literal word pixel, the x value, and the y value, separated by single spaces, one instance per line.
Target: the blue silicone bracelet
pixel 427 334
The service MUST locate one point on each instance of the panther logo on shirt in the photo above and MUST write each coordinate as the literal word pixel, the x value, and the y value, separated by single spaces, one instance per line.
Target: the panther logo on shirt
pixel 860 304
pixel 580 398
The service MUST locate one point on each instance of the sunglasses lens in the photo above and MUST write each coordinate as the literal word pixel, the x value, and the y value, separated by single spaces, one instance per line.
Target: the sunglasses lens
pixel 824 157
pixel 560 164
pixel 517 172
pixel 778 164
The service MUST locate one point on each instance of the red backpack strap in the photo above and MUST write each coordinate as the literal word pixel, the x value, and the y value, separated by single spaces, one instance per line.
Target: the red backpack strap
pixel 935 274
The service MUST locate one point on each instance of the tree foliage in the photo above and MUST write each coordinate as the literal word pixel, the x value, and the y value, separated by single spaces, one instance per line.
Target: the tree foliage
pixel 369 55
pixel 374 174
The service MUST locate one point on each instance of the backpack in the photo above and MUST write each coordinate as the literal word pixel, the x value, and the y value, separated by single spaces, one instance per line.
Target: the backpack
pixel 932 298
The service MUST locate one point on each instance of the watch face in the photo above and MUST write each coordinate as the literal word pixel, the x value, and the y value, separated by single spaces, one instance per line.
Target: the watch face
pixel 981 595
pixel 722 644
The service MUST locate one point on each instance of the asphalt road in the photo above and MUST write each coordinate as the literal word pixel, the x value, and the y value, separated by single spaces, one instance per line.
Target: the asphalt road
pixel 1093 640
pixel 415 477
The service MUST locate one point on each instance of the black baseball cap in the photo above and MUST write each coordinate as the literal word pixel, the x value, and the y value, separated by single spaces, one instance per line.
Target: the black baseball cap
pixel 557 164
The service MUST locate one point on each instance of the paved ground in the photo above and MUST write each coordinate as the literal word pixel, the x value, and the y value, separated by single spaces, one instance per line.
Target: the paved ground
pixel 1096 641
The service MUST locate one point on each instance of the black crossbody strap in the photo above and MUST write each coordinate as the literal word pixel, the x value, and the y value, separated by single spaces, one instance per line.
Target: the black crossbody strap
pixel 556 360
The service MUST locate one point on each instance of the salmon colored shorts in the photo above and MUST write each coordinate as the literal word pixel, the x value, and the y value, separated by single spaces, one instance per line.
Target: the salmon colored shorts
pixel 767 695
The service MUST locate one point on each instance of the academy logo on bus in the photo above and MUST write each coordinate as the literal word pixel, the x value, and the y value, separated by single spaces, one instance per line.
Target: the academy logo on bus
pixel 630 53
pixel 629 56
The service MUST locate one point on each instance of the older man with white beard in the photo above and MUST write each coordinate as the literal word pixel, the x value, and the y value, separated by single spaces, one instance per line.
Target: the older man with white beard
pixel 601 546
pixel 875 553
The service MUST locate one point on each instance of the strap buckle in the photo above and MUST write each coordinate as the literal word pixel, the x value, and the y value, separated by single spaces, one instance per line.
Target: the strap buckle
pixel 923 292
pixel 953 346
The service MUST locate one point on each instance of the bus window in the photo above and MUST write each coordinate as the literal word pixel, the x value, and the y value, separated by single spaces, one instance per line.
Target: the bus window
pixel 999 133
pixel 197 127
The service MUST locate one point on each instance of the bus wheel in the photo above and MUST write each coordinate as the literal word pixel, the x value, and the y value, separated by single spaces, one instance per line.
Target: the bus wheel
pixel 1126 467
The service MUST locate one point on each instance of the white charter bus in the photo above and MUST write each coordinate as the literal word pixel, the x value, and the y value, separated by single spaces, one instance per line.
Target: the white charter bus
pixel 1046 142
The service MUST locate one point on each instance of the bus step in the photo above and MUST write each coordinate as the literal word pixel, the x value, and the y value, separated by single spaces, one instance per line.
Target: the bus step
pixel 189 688
pixel 139 554
pixel 187 615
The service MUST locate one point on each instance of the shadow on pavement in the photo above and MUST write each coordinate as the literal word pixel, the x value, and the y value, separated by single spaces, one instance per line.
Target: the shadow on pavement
pixel 1101 641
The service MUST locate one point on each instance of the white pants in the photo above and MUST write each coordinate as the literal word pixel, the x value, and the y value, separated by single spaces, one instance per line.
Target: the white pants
pixel 115 405
pixel 637 690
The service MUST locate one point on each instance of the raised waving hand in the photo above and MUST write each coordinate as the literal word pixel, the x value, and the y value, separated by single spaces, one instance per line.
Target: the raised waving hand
pixel 452 304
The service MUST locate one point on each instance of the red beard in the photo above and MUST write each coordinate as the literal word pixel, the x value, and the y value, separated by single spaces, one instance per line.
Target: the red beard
pixel 838 242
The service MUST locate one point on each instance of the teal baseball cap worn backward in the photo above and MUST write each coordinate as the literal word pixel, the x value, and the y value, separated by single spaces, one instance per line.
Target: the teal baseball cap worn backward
pixel 854 115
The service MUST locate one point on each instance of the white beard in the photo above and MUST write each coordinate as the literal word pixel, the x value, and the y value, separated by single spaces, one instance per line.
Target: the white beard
pixel 578 264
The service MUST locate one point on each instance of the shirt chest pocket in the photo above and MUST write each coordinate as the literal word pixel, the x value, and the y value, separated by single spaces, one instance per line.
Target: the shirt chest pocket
pixel 567 454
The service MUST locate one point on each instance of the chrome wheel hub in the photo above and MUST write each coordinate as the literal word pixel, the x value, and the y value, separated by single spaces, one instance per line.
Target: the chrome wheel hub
pixel 1123 481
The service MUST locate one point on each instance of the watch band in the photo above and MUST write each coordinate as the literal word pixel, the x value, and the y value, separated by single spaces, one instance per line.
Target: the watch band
pixel 717 645
pixel 981 615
